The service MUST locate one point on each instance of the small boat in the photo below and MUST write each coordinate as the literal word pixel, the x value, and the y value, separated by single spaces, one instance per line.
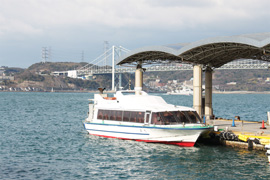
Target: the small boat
pixel 144 118
pixel 183 91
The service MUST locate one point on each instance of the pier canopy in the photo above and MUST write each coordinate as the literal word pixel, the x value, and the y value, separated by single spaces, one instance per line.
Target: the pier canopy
pixel 211 52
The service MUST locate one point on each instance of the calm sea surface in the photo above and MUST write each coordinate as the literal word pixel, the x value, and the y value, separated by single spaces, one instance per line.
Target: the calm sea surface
pixel 42 137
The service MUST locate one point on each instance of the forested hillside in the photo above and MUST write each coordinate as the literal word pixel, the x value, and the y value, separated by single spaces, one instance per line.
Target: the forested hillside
pixel 39 76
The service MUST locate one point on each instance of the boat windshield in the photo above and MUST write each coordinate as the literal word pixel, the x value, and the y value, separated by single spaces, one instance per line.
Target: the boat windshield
pixel 175 117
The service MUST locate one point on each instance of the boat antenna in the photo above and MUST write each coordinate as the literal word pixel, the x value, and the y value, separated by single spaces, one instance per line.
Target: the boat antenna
pixel 101 90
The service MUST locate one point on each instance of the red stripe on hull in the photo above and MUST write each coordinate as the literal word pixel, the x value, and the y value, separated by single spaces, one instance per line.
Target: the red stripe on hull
pixel 182 144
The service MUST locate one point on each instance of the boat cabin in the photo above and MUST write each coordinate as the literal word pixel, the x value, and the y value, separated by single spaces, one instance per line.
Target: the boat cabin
pixel 157 118
pixel 146 109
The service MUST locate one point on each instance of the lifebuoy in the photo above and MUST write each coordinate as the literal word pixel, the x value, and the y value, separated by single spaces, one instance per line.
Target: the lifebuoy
pixel 110 98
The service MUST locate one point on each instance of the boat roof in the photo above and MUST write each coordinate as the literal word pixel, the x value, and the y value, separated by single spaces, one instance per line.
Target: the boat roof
pixel 134 102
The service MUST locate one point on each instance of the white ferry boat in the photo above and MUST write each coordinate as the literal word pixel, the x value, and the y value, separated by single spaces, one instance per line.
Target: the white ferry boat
pixel 143 118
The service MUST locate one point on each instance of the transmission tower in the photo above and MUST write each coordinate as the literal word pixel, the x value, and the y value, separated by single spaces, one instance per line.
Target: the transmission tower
pixel 45 54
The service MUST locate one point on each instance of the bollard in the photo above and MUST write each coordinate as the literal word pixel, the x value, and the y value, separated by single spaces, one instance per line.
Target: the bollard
pixel 250 144
pixel 233 124
pixel 267 147
pixel 268 155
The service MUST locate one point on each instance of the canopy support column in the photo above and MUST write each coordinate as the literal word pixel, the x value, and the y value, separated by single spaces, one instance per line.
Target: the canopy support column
pixel 197 89
pixel 208 93
pixel 138 79
pixel 113 69
pixel 120 80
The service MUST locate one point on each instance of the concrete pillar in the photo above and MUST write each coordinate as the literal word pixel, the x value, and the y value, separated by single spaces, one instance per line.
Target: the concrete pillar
pixel 138 79
pixel 208 93
pixel 197 89
pixel 113 69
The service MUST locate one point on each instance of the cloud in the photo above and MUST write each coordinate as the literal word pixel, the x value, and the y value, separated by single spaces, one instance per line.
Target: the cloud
pixel 85 24
pixel 35 17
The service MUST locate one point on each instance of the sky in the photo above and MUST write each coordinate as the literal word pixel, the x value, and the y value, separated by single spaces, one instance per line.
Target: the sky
pixel 70 28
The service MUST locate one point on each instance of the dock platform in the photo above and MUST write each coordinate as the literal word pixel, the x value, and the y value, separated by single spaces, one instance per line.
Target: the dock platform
pixel 241 126
pixel 245 130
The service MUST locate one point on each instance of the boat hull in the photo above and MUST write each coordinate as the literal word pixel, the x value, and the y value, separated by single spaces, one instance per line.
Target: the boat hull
pixel 185 137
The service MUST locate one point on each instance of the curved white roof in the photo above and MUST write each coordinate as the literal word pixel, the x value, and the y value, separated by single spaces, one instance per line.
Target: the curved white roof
pixel 213 52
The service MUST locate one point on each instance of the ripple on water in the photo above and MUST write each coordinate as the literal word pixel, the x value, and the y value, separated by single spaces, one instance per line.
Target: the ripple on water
pixel 42 137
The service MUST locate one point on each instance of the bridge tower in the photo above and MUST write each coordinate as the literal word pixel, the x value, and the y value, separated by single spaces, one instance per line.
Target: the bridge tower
pixel 116 54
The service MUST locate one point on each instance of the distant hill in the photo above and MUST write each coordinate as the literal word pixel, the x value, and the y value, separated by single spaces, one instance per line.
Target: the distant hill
pixel 246 80
pixel 39 75
pixel 55 66
pixel 9 71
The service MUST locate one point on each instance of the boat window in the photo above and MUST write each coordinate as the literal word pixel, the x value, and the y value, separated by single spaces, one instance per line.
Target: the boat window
pixel 111 115
pixel 126 116
pixel 100 114
pixel 194 117
pixel 105 114
pixel 182 117
pixel 133 116
pixel 155 119
pixel 174 117
pixel 167 118
pixel 119 115
pixel 140 117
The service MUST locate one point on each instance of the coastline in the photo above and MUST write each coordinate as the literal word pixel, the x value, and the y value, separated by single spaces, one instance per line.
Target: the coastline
pixel 82 91
pixel 241 92
pixel 62 91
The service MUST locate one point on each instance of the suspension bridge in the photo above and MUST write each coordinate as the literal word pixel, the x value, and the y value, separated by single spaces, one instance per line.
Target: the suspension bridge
pixel 106 63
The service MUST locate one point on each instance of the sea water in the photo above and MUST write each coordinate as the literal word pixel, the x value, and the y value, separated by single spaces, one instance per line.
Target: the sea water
pixel 42 137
